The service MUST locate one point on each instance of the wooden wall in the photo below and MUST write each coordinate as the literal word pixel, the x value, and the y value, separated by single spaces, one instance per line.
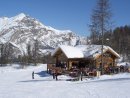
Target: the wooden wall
pixel 108 60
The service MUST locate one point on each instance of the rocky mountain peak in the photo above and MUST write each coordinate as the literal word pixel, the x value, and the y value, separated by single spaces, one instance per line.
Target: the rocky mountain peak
pixel 22 30
pixel 20 16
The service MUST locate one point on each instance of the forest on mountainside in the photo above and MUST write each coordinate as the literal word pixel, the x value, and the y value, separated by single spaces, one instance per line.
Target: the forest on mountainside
pixel 103 32
pixel 118 39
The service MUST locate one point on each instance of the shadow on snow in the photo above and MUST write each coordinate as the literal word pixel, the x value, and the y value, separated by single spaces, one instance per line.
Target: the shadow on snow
pixel 42 74
pixel 36 80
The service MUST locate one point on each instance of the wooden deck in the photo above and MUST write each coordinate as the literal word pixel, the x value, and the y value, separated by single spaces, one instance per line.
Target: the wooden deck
pixel 73 72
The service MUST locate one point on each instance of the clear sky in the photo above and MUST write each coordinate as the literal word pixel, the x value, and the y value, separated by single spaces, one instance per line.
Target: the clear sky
pixel 65 14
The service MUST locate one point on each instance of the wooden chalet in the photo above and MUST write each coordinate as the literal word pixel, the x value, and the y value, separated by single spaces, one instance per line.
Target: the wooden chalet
pixel 84 56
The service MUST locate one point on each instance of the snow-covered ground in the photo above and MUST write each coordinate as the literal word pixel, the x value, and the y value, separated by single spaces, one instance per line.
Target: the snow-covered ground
pixel 18 83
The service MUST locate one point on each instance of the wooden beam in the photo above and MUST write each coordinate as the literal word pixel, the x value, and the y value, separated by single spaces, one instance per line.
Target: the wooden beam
pixel 57 59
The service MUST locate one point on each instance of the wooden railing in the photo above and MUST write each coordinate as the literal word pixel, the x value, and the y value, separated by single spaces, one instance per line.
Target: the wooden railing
pixel 55 71
pixel 49 68
pixel 75 72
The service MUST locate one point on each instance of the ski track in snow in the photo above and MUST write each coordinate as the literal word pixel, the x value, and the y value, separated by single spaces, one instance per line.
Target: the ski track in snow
pixel 18 83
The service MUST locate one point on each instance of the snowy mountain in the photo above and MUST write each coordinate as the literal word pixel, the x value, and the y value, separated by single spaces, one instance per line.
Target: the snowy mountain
pixel 23 30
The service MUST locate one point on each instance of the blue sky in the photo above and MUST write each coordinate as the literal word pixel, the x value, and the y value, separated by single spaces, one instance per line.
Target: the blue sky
pixel 65 14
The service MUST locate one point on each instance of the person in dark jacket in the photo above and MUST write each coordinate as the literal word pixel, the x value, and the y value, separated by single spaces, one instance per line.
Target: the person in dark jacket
pixel 33 75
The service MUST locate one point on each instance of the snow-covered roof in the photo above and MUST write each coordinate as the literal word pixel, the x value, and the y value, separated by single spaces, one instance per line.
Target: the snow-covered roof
pixel 93 51
pixel 69 51
pixel 123 64
pixel 84 51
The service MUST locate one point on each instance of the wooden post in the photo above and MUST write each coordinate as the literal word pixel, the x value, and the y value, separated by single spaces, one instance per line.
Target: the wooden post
pixel 56 76
pixel 81 74
pixel 53 75
pixel 67 64
pixel 47 69
pixel 57 60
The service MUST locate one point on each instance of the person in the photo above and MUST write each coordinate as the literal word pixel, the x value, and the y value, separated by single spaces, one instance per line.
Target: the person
pixel 33 75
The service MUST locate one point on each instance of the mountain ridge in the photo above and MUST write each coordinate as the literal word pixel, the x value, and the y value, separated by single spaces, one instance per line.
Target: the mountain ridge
pixel 22 30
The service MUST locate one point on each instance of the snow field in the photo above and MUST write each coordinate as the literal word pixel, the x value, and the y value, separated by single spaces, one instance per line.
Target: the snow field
pixel 18 83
